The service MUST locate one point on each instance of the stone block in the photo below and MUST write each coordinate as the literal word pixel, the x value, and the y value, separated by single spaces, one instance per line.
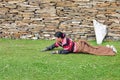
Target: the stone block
pixel 115 21
pixel 48 1
pixel 66 4
pixel 4 10
pixel 113 4
pixel 118 11
pixel 11 6
pixel 116 15
pixel 20 23
pixel 14 11
pixel 15 1
pixel 81 0
pixel 50 10
pixel 106 4
pixel 1 5
pixel 25 21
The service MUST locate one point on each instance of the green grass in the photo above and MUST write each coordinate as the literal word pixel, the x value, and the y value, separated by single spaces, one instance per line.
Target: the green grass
pixel 22 60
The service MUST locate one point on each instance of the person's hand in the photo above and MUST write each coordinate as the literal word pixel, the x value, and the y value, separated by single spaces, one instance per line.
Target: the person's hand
pixel 45 49
pixel 54 52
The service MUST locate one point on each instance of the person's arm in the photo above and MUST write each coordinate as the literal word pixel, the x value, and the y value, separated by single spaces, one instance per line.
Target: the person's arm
pixel 63 52
pixel 50 47
pixel 60 52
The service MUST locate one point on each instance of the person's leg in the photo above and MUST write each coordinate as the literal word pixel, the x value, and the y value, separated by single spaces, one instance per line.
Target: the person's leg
pixel 83 46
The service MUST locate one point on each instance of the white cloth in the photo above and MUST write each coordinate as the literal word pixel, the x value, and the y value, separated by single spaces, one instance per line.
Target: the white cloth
pixel 100 31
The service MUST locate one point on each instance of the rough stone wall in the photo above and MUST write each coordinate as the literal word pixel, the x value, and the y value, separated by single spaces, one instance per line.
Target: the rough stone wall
pixel 40 19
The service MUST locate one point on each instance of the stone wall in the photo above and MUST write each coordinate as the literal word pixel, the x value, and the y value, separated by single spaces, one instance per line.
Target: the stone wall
pixel 40 19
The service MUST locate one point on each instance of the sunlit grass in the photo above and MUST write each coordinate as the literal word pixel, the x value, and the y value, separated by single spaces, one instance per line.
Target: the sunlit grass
pixel 22 60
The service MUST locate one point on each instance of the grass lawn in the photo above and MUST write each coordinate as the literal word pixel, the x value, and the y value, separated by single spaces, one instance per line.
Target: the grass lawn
pixel 22 60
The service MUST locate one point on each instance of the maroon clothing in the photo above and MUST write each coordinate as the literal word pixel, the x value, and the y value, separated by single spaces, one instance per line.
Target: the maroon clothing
pixel 66 43
pixel 81 46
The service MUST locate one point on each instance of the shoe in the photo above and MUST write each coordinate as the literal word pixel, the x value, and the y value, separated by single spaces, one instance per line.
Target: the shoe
pixel 108 46
pixel 113 48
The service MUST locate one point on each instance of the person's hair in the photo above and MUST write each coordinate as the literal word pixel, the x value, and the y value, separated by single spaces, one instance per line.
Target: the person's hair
pixel 59 34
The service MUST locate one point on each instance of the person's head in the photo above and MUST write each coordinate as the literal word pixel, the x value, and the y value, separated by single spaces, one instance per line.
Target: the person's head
pixel 59 36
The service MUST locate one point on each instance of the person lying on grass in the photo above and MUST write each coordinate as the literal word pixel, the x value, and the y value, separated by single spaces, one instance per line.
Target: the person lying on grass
pixel 80 46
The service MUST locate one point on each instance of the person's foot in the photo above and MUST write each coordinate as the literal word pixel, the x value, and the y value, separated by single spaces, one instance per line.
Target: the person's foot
pixel 45 49
pixel 108 46
pixel 54 52
pixel 113 48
